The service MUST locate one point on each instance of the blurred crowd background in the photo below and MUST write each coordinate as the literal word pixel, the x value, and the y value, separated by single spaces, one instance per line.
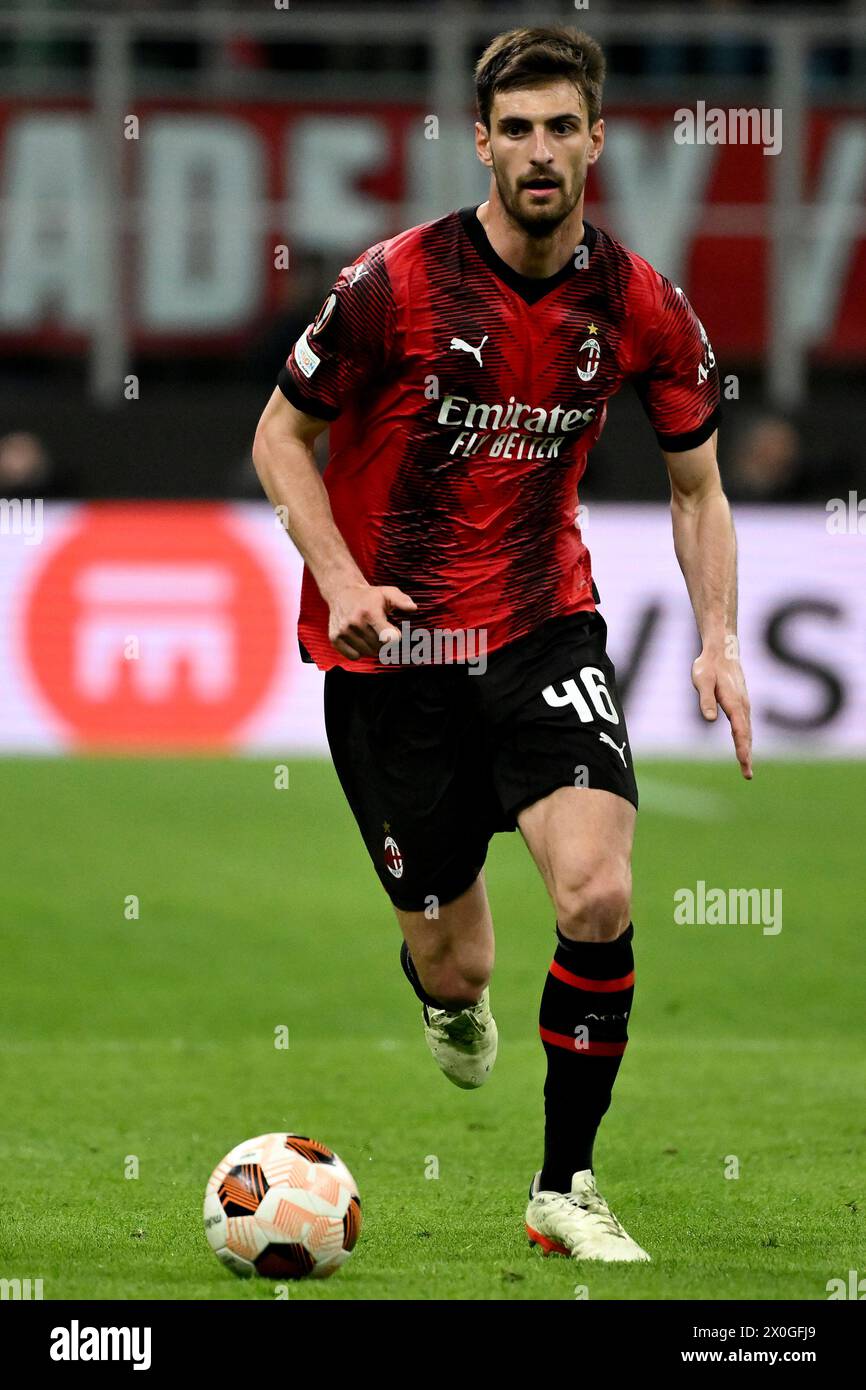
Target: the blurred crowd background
pixel 65 431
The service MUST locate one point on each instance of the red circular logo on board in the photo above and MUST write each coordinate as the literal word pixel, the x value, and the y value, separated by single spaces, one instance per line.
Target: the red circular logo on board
pixel 153 624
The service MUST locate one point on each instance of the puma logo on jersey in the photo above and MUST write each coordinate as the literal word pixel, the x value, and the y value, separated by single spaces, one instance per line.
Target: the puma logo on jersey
pixel 358 271
pixel 459 344
pixel 606 738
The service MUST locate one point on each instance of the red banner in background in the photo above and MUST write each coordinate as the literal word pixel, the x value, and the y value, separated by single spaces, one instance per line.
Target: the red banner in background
pixel 216 191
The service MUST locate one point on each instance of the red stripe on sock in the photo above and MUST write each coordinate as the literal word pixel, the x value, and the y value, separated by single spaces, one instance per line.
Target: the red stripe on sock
pixel 595 986
pixel 588 1049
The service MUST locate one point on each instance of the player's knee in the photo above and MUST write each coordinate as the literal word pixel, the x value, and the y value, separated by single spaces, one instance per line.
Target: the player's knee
pixel 596 907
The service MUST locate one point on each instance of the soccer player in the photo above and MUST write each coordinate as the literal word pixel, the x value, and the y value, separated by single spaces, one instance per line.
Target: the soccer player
pixel 465 368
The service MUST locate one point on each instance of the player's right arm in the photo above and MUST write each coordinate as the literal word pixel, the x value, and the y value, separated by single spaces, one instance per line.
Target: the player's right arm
pixel 286 466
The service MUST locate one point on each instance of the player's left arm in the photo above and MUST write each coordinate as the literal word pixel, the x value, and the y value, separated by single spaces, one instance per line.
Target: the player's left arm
pixel 677 379
pixel 706 548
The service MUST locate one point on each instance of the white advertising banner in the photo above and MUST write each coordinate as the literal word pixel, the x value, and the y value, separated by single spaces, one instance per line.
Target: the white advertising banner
pixel 171 626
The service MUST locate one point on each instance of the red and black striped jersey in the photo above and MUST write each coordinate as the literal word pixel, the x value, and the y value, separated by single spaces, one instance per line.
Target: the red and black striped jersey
pixel 465 398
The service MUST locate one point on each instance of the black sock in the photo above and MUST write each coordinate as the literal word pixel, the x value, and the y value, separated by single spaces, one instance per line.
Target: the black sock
pixel 411 974
pixel 577 1091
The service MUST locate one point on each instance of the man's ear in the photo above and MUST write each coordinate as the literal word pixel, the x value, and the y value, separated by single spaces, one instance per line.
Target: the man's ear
pixel 482 144
pixel 597 137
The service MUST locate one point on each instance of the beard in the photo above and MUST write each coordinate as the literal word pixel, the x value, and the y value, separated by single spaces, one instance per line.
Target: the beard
pixel 539 222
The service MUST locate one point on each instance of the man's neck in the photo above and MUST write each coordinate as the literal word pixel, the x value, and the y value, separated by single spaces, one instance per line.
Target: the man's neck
pixel 535 257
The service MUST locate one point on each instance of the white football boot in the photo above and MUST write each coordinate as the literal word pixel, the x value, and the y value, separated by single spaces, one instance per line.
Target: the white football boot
pixel 578 1223
pixel 464 1044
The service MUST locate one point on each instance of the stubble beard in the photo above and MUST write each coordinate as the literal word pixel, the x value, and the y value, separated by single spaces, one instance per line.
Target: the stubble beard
pixel 543 224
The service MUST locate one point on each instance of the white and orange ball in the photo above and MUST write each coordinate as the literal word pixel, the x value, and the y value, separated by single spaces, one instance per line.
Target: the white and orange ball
pixel 282 1206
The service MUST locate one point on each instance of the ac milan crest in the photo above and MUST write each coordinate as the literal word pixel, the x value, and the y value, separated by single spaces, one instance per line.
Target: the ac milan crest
pixel 393 857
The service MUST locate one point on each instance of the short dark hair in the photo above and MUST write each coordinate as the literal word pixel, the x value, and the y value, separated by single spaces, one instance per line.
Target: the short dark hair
pixel 528 57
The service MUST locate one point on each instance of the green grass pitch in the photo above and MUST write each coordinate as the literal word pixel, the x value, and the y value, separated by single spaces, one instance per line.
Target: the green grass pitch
pixel 154 1038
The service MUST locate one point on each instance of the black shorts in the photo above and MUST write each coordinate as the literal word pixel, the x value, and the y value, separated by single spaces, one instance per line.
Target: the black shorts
pixel 434 759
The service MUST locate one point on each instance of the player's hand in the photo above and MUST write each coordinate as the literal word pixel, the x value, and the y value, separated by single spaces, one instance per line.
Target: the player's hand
pixel 360 622
pixel 719 680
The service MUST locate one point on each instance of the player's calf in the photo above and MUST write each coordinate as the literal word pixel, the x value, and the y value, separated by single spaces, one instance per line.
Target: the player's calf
pixel 461 1033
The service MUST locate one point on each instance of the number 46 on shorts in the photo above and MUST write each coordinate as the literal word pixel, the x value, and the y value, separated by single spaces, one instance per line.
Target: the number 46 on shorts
pixel 593 680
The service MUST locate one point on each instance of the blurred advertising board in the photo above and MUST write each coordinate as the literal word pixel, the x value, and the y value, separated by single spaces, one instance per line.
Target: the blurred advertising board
pixel 171 626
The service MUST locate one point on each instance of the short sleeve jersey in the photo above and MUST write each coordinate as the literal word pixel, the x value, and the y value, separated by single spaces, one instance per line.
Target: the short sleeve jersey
pixel 465 398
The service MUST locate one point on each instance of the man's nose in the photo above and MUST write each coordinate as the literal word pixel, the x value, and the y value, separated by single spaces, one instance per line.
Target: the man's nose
pixel 541 154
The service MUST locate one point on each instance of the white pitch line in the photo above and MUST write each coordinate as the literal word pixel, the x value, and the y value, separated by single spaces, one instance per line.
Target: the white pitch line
pixel 690 803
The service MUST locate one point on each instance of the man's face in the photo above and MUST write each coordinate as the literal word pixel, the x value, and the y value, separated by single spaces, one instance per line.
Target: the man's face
pixel 539 149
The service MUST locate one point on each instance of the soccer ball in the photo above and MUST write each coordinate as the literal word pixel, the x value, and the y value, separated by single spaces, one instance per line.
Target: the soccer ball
pixel 282 1206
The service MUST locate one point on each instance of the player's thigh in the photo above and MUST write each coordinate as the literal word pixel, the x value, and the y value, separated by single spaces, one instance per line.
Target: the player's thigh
pixel 563 767
pixel 581 839
pixel 452 945
pixel 413 770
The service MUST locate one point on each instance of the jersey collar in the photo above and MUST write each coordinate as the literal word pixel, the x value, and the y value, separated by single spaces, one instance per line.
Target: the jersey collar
pixel 529 287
